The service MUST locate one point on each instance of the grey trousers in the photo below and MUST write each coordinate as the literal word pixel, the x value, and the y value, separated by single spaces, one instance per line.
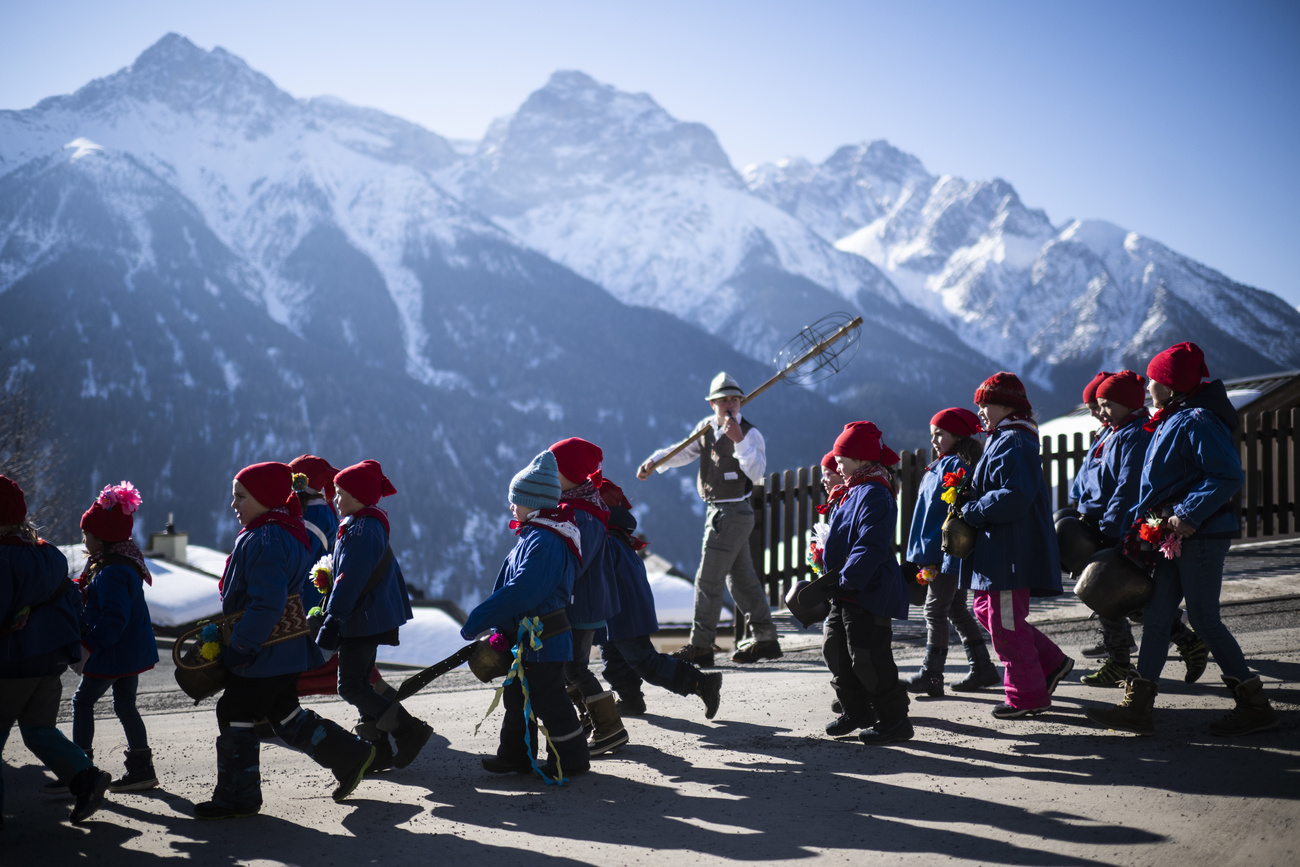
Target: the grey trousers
pixel 725 558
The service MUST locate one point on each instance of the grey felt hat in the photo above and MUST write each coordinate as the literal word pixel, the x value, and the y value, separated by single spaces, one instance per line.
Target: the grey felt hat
pixel 724 385
pixel 537 486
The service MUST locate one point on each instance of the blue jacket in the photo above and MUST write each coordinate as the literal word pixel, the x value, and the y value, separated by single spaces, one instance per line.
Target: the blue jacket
pixel 595 598
pixel 925 539
pixel 51 639
pixel 266 567
pixel 320 515
pixel 1086 489
pixel 1015 547
pixel 858 545
pixel 116 625
pixel 637 615
pixel 358 551
pixel 1120 475
pixel 535 579
pixel 1192 464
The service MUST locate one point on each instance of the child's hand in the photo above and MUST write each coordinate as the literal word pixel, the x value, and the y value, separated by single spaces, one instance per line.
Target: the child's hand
pixel 233 657
pixel 330 635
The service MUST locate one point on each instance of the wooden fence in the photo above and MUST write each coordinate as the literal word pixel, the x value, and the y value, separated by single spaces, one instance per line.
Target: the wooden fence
pixel 785 507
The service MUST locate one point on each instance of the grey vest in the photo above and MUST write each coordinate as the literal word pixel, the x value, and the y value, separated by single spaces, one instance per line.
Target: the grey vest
pixel 717 459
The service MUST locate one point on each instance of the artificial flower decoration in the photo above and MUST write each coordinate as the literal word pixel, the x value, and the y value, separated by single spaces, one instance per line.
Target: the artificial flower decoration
pixel 1155 531
pixel 954 480
pixel 211 636
pixel 949 495
pixel 123 495
pixel 1149 533
pixel 299 483
pixel 497 641
pixel 322 574
pixel 954 485
pixel 1172 546
pixel 926 574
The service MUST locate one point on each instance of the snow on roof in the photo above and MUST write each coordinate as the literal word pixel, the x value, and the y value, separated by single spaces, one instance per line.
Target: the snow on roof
pixel 177 595
pixel 430 636
pixel 207 560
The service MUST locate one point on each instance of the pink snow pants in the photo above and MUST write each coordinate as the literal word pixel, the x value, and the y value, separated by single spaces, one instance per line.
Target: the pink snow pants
pixel 1027 654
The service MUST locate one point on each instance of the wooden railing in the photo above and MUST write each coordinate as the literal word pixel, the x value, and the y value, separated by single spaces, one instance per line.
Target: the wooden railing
pixel 785 507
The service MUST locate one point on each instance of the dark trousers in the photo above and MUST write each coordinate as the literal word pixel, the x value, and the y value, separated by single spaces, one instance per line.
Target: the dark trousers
pixel 857 649
pixel 577 672
pixel 550 704
pixel 1117 635
pixel 250 699
pixel 945 603
pixel 91 690
pixel 356 659
pixel 629 661
pixel 33 703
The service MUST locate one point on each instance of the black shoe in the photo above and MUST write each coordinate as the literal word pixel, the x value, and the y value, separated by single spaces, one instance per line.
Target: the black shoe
pixel 836 707
pixel 756 651
pixel 1100 651
pixel 630 705
pixel 892 734
pixel 571 769
pixel 89 786
pixel 710 689
pixel 927 683
pixel 410 739
pixel 213 810
pixel 498 765
pixel 1059 674
pixel 700 657
pixel 842 725
pixel 139 773
pixel 1006 711
pixel 352 777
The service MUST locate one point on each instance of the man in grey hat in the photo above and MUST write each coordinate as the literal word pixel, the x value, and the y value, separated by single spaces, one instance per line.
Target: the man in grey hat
pixel 732 457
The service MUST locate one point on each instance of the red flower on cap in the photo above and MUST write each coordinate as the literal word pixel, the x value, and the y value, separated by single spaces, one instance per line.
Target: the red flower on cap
pixel 1180 367
pixel 365 481
pixel 578 460
pixel 957 421
pixel 1126 388
pixel 320 475
pixel 110 517
pixel 271 484
pixel 13 505
pixel 1090 390
pixel 1003 389
pixel 863 441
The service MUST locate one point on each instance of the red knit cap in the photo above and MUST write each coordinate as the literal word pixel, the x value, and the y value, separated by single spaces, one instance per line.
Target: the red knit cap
pixel 578 459
pixel 110 517
pixel 1126 388
pixel 1090 390
pixel 271 484
pixel 863 441
pixel 13 505
pixel 828 463
pixel 957 421
pixel 1180 367
pixel 1003 389
pixel 365 481
pixel 613 495
pixel 320 475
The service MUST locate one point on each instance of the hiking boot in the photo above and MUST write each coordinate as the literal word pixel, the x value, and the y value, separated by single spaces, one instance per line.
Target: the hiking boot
pixel 1006 711
pixel 929 680
pixel 756 651
pixel 982 670
pixel 409 740
pixel 351 776
pixel 1112 673
pixel 89 786
pixel 609 733
pixel 632 704
pixel 710 689
pixel 700 657
pixel 1252 713
pixel 1133 713
pixel 880 734
pixel 1195 656
pixel 845 725
pixel 1059 674
pixel 139 773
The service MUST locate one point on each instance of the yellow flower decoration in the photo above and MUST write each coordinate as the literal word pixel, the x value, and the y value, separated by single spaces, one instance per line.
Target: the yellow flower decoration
pixel 949 496
pixel 210 650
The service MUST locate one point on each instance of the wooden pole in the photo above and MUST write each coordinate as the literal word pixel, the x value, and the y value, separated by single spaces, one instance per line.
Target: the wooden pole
pixel 782 374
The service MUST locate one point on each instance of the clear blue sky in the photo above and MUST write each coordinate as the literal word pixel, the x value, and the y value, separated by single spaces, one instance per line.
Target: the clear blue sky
pixel 1180 120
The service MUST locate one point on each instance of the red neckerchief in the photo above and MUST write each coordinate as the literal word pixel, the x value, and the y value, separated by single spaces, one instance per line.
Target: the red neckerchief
pixel 562 521
pixel 587 498
pixel 832 499
pixel 631 541
pixel 95 562
pixel 280 516
pixel 372 511
pixel 1170 408
pixel 870 474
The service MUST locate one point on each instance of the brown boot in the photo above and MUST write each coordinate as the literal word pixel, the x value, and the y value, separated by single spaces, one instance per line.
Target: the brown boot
pixel 1133 713
pixel 608 734
pixel 1252 714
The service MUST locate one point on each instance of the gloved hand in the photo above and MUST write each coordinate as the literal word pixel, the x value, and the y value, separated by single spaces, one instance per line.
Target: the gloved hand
pixel 235 658
pixel 330 635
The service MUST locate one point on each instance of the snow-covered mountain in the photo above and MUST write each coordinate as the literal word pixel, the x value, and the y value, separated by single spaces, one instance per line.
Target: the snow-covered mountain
pixel 1055 302
pixel 198 271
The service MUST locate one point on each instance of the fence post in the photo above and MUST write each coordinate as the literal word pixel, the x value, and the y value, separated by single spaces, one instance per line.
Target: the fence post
pixel 1249 469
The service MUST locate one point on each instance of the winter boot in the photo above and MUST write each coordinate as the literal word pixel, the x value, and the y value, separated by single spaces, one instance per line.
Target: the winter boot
pixel 982 670
pixel 1112 673
pixel 331 746
pixel 570 755
pixel 710 690
pixel 929 680
pixel 239 781
pixel 59 788
pixel 893 726
pixel 608 733
pixel 88 787
pixel 370 733
pixel 584 716
pixel 139 773
pixel 1252 713
pixel 630 704
pixel 1194 653
pixel 409 734
pixel 1133 713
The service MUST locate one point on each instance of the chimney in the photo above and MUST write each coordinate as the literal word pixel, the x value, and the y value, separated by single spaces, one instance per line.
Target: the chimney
pixel 170 545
